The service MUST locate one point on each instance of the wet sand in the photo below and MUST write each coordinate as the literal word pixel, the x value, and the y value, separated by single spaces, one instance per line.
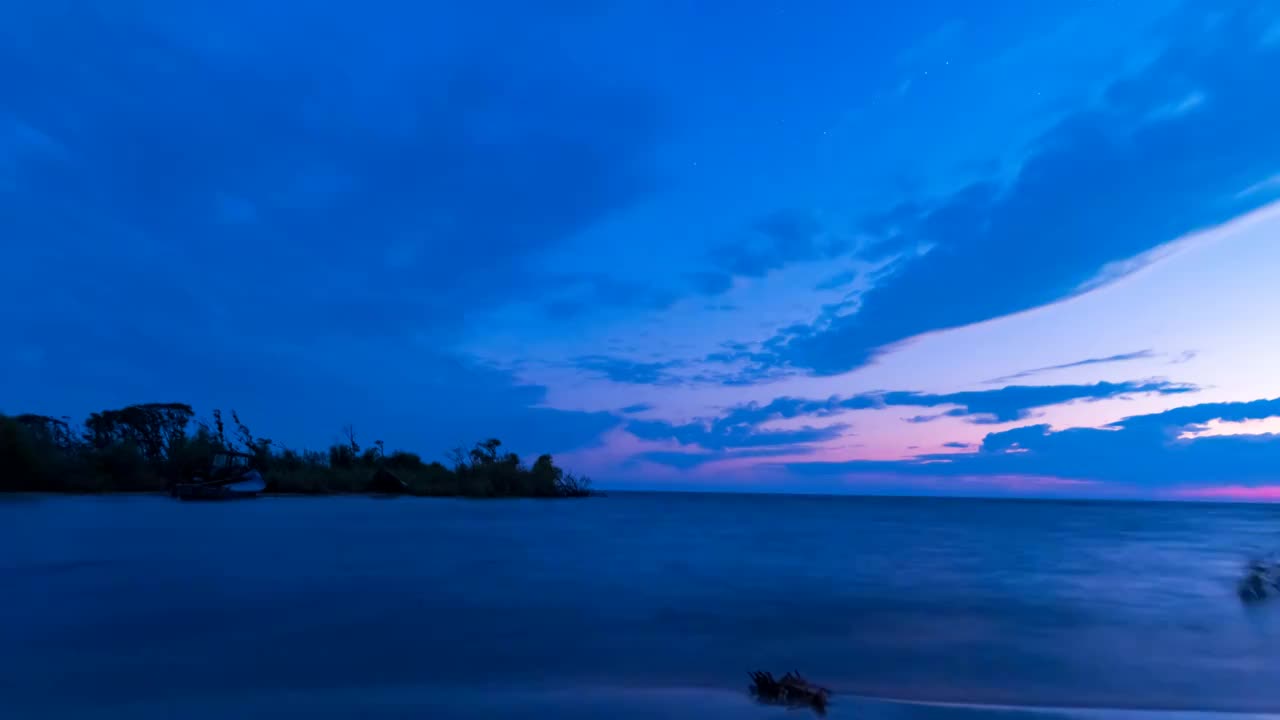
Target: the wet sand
pixel 419 703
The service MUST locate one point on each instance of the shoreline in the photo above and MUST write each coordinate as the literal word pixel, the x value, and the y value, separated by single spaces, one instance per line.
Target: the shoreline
pixel 289 495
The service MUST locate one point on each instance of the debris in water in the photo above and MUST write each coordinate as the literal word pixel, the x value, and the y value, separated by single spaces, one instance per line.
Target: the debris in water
pixel 792 690
pixel 1261 578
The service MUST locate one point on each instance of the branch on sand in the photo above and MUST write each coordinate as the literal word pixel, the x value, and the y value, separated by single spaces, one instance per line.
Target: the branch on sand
pixel 792 691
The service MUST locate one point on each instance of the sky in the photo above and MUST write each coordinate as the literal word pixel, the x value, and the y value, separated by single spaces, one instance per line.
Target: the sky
pixel 997 248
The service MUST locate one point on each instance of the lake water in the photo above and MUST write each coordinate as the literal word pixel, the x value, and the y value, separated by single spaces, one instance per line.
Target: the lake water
pixel 628 606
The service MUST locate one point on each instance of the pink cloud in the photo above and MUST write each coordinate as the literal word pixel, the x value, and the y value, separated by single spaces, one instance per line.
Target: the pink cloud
pixel 1255 493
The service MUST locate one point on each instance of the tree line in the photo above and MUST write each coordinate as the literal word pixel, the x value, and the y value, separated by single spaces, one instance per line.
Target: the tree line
pixel 152 446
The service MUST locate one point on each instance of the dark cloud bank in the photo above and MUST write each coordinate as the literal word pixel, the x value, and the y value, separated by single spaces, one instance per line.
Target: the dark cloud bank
pixel 313 204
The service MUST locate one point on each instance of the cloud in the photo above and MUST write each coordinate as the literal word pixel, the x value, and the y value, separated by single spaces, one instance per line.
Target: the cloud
pixel 1107 184
pixel 752 414
pixel 634 372
pixel 635 409
pixel 691 460
pixel 748 365
pixel 1123 357
pixel 711 283
pixel 460 176
pixel 739 428
pixel 570 296
pixel 717 437
pixel 1007 404
pixel 1264 493
pixel 775 241
pixel 736 352
pixel 1144 452
pixel 313 202
pixel 1015 402
pixel 837 281
pixel 957 445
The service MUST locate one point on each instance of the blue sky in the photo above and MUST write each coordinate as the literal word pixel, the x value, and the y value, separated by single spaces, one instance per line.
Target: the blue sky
pixel 1012 248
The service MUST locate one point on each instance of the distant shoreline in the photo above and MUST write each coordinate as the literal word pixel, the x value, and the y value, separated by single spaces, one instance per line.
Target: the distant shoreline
pixel 699 493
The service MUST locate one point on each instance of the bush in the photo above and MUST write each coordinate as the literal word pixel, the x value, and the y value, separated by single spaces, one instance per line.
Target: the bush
pixel 190 456
pixel 24 464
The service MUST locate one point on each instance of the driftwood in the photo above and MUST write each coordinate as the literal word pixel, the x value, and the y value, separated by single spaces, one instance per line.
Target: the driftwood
pixel 792 690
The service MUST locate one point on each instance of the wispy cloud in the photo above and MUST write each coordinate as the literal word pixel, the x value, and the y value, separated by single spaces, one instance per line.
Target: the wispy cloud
pixel 985 407
pixel 1122 357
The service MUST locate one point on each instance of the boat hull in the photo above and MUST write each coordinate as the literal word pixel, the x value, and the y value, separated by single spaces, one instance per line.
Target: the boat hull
pixel 197 492
pixel 248 486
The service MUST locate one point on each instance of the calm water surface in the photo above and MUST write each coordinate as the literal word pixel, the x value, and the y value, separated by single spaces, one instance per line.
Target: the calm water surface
pixel 625 606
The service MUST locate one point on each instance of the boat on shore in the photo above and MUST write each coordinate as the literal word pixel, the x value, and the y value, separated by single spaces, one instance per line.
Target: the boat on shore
pixel 231 476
